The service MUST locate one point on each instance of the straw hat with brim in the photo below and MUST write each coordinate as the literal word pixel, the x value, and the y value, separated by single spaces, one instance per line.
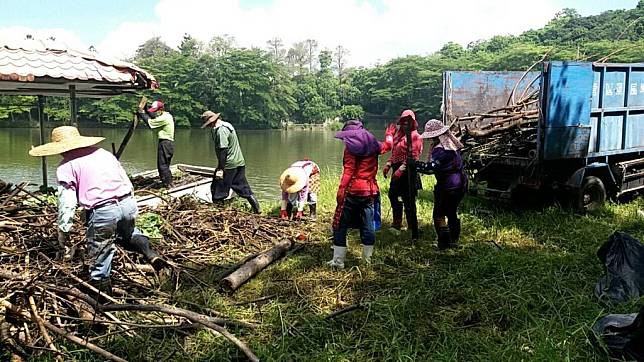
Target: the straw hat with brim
pixel 209 117
pixel 63 139
pixel 293 179
pixel 434 128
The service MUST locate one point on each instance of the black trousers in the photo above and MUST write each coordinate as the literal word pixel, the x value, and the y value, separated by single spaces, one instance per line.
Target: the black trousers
pixel 446 204
pixel 165 151
pixel 234 178
pixel 399 189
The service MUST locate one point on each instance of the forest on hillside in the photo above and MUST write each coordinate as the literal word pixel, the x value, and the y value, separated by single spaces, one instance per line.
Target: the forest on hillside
pixel 302 83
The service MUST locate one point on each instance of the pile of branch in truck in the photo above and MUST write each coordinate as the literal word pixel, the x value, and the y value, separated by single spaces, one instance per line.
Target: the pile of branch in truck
pixel 510 130
pixel 45 298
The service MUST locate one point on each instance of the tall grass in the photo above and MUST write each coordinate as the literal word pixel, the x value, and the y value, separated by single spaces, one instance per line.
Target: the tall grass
pixel 529 298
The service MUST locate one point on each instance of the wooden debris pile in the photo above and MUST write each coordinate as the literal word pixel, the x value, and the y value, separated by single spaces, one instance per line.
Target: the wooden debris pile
pixel 179 179
pixel 510 130
pixel 45 299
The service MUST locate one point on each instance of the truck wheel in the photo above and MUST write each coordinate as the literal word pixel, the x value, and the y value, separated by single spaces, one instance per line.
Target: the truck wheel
pixel 592 194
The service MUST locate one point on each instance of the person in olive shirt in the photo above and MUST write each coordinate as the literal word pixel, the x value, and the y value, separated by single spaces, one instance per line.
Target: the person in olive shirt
pixel 230 174
pixel 157 118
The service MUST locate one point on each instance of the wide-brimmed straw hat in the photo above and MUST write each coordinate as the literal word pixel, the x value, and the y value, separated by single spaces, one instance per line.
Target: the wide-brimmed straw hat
pixel 63 139
pixel 293 179
pixel 209 117
pixel 434 128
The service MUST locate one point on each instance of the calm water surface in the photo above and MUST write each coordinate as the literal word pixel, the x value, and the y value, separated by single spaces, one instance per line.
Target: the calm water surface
pixel 267 153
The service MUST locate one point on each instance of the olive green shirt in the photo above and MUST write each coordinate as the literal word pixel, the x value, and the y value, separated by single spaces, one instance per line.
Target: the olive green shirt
pixel 165 124
pixel 225 136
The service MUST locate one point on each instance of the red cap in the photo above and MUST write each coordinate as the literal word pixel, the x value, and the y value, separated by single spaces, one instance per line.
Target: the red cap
pixel 156 105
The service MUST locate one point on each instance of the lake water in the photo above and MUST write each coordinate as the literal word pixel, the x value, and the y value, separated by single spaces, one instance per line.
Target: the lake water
pixel 267 152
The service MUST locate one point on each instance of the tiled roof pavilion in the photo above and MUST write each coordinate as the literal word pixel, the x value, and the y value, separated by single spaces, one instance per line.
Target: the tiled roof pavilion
pixel 50 68
pixel 36 67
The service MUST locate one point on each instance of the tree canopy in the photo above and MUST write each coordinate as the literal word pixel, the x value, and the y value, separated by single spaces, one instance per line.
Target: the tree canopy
pixel 301 83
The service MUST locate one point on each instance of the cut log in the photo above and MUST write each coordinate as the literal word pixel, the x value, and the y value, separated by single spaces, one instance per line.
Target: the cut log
pixel 255 265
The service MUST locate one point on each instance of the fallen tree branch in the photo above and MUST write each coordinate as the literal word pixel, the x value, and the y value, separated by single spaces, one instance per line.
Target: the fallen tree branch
pixel 344 310
pixel 254 266
pixel 190 315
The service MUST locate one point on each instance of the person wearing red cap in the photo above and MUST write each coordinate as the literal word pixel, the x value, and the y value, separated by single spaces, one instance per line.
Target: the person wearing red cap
pixel 157 118
pixel 399 187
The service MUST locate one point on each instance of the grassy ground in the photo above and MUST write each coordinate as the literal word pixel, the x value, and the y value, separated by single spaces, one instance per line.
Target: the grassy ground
pixel 531 299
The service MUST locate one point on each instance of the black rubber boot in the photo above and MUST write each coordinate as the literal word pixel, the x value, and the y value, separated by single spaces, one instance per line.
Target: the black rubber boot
pixel 444 239
pixel 103 285
pixel 455 230
pixel 313 211
pixel 254 204
pixel 397 212
pixel 141 244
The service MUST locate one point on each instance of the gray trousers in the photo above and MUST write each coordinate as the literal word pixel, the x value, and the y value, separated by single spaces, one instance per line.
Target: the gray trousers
pixel 107 225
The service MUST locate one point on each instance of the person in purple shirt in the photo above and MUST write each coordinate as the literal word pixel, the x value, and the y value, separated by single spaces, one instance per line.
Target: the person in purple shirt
pixel 92 178
pixel 446 164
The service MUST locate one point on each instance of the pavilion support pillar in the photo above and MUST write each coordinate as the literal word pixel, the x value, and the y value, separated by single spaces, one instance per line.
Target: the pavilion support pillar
pixel 41 122
pixel 72 105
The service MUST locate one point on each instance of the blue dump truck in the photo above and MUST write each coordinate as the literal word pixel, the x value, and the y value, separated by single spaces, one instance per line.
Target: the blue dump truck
pixel 574 130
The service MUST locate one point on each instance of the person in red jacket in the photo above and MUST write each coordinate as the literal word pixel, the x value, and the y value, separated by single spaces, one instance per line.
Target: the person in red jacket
pixel 399 187
pixel 358 197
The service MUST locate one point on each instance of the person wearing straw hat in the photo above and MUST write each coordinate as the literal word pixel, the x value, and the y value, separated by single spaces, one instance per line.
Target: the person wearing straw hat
pixel 230 174
pixel 446 164
pixel 157 118
pixel 300 184
pixel 94 179
pixel 399 187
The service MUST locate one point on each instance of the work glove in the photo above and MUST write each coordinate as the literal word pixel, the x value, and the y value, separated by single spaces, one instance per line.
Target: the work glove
pixel 62 237
pixel 63 243
pixel 283 215
pixel 389 133
pixel 142 115
pixel 385 170
pixel 219 174
pixel 399 172
pixel 298 215
pixel 150 114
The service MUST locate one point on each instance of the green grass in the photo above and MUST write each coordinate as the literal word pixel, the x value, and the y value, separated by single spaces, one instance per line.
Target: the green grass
pixel 531 300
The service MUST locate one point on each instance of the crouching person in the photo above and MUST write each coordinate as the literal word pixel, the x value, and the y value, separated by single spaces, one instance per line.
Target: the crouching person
pixel 300 184
pixel 358 200
pixel 94 179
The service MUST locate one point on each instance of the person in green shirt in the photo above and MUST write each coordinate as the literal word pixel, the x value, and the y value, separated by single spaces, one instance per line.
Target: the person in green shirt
pixel 157 118
pixel 230 174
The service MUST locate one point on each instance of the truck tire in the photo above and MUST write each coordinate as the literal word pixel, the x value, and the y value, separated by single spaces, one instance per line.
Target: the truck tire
pixel 592 194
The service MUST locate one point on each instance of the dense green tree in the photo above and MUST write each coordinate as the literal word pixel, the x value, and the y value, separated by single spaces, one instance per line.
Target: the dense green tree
pixel 255 88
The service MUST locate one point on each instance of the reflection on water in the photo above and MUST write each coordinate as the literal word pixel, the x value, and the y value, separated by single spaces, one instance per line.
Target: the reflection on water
pixel 267 153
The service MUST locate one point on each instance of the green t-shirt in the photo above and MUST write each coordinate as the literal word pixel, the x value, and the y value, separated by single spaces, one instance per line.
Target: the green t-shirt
pixel 165 124
pixel 225 136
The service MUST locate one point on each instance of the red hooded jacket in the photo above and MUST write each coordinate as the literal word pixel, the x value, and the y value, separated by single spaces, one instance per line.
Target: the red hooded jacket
pixel 399 148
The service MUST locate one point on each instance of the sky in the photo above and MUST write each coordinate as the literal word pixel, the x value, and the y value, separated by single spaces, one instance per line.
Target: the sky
pixel 373 31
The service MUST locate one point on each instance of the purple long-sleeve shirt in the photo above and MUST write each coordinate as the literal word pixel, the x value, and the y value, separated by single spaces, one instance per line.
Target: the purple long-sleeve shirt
pixel 447 166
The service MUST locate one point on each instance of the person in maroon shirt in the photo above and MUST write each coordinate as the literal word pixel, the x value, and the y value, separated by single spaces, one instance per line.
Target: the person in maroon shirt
pixel 399 187
pixel 446 164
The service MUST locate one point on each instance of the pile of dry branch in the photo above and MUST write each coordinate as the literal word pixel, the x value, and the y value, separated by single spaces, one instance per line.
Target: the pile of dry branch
pixel 44 300
pixel 510 130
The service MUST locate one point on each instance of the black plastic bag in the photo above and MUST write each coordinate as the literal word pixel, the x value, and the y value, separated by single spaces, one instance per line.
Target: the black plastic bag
pixel 622 335
pixel 623 257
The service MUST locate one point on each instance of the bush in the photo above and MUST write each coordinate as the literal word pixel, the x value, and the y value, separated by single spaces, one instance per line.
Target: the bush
pixel 353 111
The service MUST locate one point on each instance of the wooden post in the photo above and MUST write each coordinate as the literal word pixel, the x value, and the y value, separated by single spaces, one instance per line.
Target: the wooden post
pixel 41 121
pixel 72 105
